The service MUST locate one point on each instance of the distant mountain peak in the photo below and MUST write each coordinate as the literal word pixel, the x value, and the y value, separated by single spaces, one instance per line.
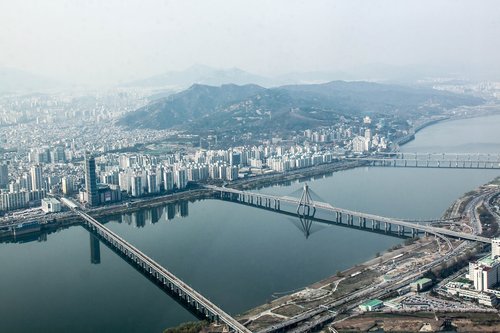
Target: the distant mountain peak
pixel 201 74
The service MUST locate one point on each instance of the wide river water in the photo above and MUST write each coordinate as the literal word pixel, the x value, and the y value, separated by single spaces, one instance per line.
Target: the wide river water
pixel 235 255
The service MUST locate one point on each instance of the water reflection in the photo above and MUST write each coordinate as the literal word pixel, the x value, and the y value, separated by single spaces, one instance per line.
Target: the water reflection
pixel 95 250
pixel 36 236
pixel 154 215
pixel 302 220
pixel 304 224
pixel 95 258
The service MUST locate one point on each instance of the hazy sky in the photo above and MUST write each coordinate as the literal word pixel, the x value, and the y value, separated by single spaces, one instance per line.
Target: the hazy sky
pixel 106 41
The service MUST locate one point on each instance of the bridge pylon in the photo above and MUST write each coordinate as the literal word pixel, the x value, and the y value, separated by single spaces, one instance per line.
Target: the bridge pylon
pixel 306 204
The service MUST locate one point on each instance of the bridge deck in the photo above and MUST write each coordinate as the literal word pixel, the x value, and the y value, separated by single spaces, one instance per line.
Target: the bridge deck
pixel 328 207
pixel 161 272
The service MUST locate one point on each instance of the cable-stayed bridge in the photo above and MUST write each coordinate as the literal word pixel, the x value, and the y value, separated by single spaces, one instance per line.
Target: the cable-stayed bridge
pixel 306 206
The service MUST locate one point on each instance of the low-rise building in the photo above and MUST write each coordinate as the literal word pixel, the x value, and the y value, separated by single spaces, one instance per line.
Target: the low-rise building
pixel 488 297
pixel 51 205
pixel 371 305
pixel 421 284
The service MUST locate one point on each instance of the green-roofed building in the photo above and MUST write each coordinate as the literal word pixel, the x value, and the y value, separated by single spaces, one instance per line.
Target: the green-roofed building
pixel 488 261
pixel 421 284
pixel 371 305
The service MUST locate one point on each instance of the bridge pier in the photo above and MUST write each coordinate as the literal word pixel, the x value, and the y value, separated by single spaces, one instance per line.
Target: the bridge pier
pixel 401 230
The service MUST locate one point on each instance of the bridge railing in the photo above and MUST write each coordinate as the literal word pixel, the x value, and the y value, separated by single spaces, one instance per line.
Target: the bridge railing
pixel 200 299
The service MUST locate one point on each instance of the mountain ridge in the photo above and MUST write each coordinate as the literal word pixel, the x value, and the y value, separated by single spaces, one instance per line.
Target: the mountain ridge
pixel 288 107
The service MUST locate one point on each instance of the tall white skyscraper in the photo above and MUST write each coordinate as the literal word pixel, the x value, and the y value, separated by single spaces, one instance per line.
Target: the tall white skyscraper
pixel 36 177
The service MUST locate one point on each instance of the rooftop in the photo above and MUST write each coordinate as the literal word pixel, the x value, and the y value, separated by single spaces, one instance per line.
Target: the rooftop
pixel 372 302
pixel 51 200
pixel 422 281
pixel 487 261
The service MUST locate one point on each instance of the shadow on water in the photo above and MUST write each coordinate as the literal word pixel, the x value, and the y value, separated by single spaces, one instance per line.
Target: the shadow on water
pixel 95 258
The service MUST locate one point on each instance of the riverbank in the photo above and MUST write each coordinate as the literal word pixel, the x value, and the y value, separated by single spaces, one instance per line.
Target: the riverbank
pixel 333 289
pixel 59 223
pixel 477 321
pixel 130 207
pixel 406 257
pixel 280 178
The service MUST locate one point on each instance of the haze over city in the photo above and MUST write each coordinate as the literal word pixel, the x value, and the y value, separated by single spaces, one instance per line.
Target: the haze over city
pixel 105 43
pixel 249 166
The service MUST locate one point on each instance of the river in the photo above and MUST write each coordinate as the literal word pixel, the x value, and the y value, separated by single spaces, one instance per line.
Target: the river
pixel 237 256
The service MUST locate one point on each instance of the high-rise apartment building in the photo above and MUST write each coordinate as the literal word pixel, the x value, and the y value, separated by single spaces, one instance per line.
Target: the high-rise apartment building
pixel 91 180
pixel 67 185
pixel 36 177
pixel 4 175
pixel 136 186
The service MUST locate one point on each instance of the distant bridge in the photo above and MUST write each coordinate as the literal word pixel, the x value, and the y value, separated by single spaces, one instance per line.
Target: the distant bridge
pixel 432 160
pixel 274 202
pixel 161 275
